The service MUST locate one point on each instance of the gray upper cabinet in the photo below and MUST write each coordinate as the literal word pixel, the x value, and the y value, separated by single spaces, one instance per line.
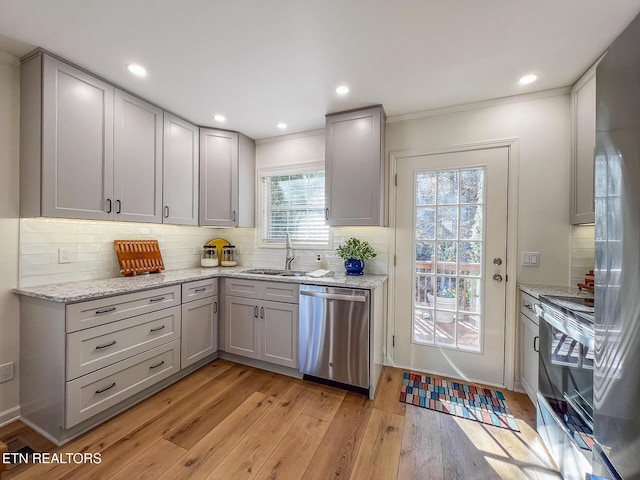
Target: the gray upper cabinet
pixel 181 166
pixel 354 167
pixel 66 142
pixel 224 156
pixel 137 188
pixel 583 142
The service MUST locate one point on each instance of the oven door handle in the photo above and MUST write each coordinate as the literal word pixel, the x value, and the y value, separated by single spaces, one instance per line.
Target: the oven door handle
pixel 565 329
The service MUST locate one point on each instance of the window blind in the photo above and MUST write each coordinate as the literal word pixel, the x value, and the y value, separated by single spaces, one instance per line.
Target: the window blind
pixel 294 203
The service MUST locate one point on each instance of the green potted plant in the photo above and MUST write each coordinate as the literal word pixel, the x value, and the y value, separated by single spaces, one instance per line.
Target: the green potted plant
pixel 355 252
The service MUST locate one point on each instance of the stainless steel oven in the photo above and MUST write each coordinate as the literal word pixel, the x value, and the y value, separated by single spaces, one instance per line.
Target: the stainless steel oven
pixel 565 382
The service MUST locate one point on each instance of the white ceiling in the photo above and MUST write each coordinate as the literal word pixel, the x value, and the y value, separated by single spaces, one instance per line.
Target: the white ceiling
pixel 259 62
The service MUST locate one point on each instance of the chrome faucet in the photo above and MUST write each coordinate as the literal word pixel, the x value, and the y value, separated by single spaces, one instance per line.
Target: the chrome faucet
pixel 289 254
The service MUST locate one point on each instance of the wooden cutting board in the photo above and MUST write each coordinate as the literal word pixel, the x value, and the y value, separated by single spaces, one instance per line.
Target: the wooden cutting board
pixel 138 256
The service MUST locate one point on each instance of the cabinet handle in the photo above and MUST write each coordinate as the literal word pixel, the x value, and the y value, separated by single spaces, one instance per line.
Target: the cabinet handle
pixel 261 312
pixel 105 310
pixel 536 347
pixel 119 203
pixel 100 347
pixel 157 365
pixel 215 307
pixel 106 388
pixel 200 290
pixel 109 205
pixel 166 211
pixel 157 329
pixel 234 215
pixel 255 311
pixel 157 299
pixel 528 305
pixel 326 214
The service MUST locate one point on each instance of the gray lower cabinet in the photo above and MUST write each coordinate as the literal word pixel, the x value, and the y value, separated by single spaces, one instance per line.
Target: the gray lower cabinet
pixel 259 328
pixel 227 179
pixel 529 346
pixel 199 321
pixel 354 160
pixel 82 363
pixel 181 168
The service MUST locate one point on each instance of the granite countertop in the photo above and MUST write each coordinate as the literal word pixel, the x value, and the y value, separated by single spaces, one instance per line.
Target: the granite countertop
pixel 537 290
pixel 72 292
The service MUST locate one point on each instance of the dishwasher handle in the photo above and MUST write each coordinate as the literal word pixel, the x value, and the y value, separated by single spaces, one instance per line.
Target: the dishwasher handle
pixel 335 296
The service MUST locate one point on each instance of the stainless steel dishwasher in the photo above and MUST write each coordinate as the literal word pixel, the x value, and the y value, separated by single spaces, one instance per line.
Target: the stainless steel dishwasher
pixel 334 334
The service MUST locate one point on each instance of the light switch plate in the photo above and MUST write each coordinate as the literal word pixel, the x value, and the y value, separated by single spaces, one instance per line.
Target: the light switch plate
pixel 530 259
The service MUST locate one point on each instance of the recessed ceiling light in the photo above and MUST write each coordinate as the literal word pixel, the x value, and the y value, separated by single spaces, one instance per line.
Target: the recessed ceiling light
pixel 342 90
pixel 528 78
pixel 136 69
pixel 282 125
pixel 219 118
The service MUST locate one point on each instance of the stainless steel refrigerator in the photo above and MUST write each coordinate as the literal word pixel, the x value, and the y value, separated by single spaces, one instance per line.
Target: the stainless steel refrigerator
pixel 617 232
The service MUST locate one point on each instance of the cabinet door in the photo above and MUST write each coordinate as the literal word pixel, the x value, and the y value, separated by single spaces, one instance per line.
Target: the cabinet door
pixel 353 167
pixel 583 147
pixel 180 172
pixel 241 327
pixel 137 160
pixel 279 333
pixel 218 178
pixel 530 345
pixel 199 330
pixel 77 143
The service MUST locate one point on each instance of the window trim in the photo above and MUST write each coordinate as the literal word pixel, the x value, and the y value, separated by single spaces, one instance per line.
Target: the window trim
pixel 290 169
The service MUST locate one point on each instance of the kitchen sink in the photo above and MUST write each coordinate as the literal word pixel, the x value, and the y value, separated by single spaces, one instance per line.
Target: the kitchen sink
pixel 275 272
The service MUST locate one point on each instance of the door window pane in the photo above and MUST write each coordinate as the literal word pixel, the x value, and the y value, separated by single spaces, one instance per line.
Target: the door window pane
pixel 449 237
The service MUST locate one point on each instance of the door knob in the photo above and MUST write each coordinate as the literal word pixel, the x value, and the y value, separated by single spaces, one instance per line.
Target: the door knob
pixel 497 261
pixel 497 277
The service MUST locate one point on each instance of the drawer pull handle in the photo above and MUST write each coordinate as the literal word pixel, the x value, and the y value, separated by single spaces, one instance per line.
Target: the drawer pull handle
pixel 157 329
pixel 157 365
pixel 157 299
pixel 105 310
pixel 528 305
pixel 200 290
pixel 110 344
pixel 106 388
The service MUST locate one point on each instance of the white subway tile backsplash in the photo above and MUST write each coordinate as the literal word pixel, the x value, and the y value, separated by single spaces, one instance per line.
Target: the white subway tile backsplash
pixel 93 255
pixel 582 252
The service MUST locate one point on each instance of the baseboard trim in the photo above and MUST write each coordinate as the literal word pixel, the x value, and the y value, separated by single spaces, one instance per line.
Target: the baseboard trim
pixel 10 415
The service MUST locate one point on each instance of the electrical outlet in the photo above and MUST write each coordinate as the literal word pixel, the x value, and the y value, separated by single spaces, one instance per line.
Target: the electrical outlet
pixel 6 372
pixel 64 255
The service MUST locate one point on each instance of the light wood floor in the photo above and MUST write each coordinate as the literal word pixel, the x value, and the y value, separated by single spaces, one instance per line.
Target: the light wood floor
pixel 228 421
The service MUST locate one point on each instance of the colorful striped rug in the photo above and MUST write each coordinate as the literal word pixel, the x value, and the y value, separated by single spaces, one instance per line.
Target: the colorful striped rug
pixel 459 399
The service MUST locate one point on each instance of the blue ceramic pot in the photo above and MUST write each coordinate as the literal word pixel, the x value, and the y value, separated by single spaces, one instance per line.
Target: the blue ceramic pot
pixel 354 266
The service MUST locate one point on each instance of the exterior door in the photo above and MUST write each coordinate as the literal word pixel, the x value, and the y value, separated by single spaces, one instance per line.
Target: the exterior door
pixel 451 237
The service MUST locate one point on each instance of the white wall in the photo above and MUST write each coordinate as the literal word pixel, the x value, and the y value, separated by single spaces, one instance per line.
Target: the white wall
pixel 9 225
pixel 542 128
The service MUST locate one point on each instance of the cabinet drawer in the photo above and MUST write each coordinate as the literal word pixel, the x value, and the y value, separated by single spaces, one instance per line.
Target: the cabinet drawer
pixel 98 347
pixel 96 392
pixel 200 289
pixel 274 291
pixel 242 288
pixel 279 292
pixel 105 310
pixel 527 303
